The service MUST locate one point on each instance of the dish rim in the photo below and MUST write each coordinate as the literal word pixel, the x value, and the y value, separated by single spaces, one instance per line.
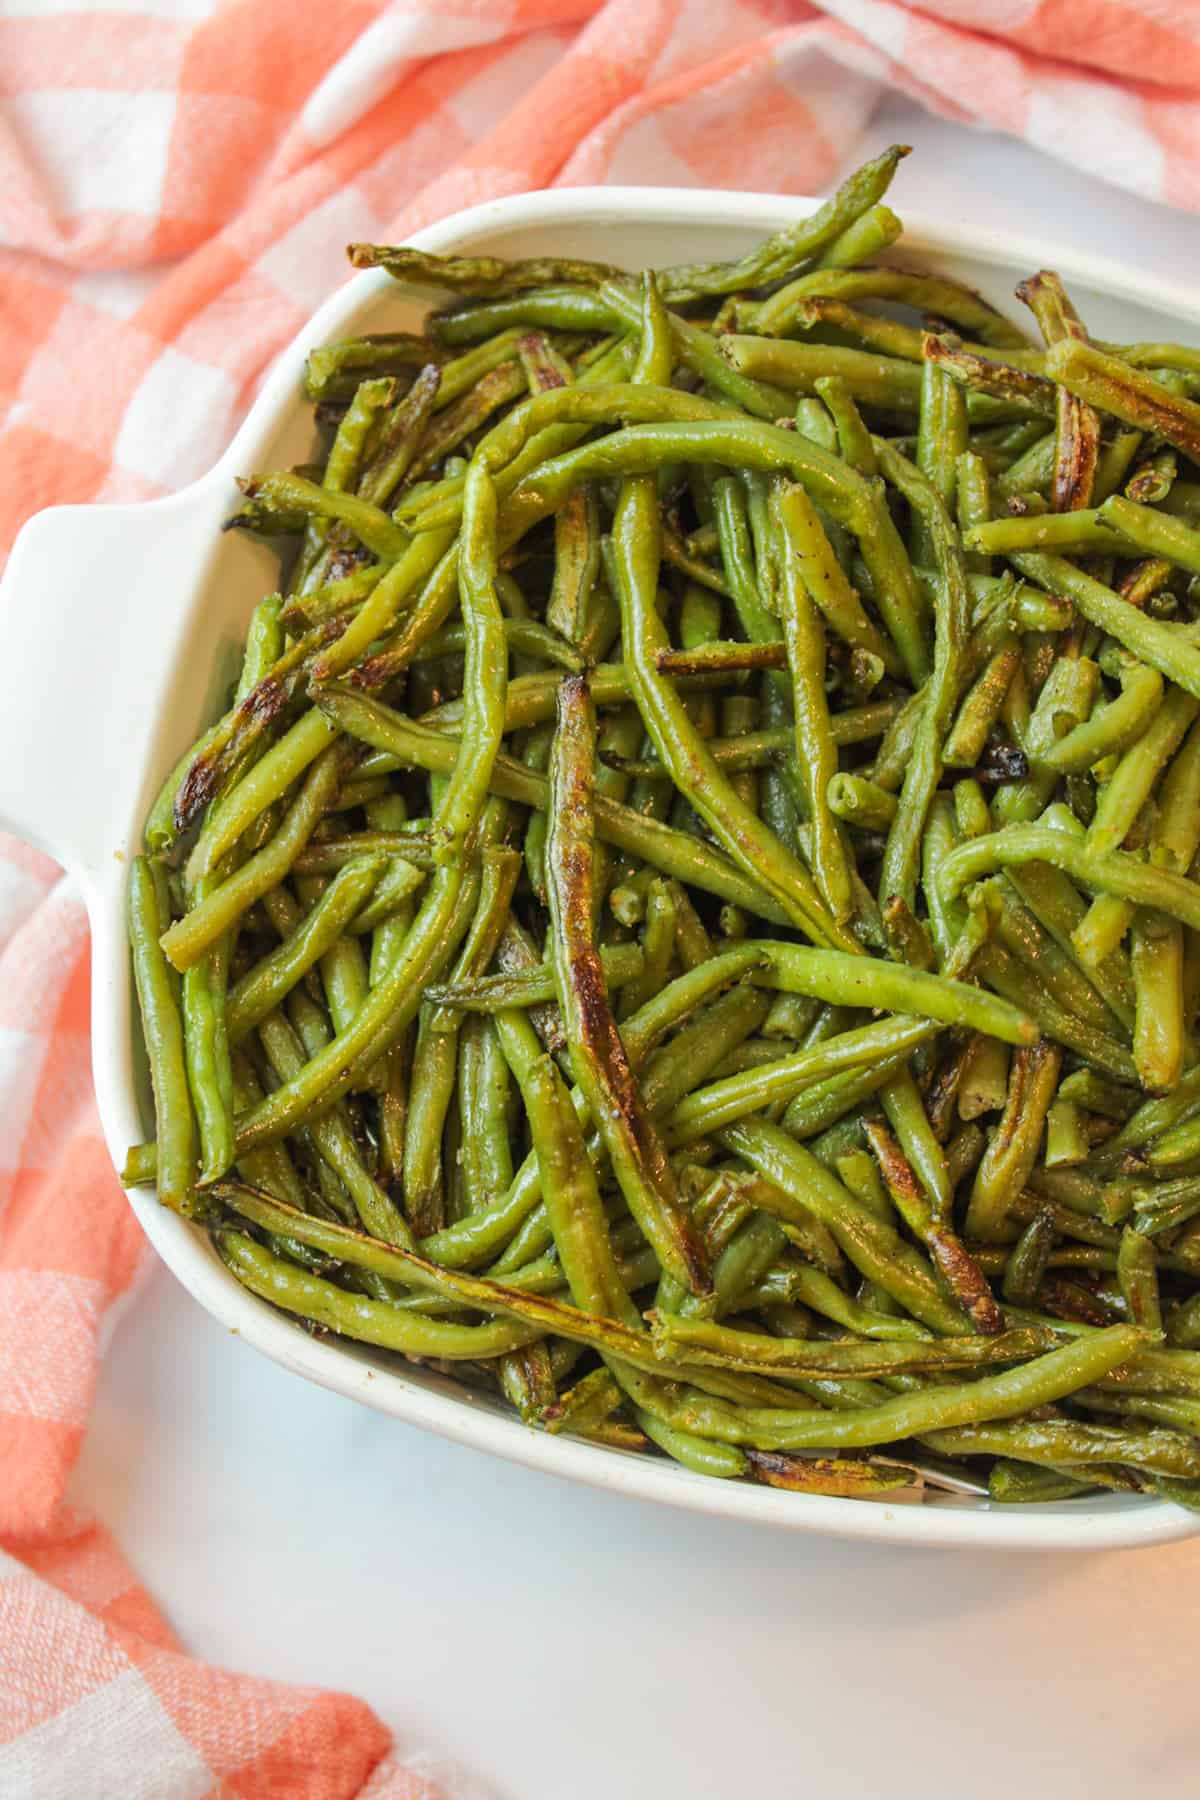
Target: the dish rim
pixel 462 1416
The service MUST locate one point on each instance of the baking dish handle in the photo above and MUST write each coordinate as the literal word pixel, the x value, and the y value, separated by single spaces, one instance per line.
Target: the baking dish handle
pixel 91 613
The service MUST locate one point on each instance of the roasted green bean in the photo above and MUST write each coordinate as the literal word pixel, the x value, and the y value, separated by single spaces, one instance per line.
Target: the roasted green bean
pixel 691 912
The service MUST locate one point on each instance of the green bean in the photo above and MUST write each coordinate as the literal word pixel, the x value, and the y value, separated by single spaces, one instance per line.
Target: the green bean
pixel 1031 471
pixel 1061 1442
pixel 552 306
pixel 869 234
pixel 270 778
pixel 392 595
pixel 1153 480
pixel 594 1398
pixel 925 1214
pixel 286 1041
pixel 1114 727
pixel 355 1316
pixel 162 1029
pixel 941 439
pixel 973 503
pixel 346 453
pixel 795 244
pixel 480 914
pixel 1076 533
pixel 476 275
pixel 1111 386
pixel 874 1248
pixel 1156 955
pixel 1137 1273
pixel 860 802
pixel 1183 1325
pixel 938 295
pixel 1067 1142
pixel 1019 1484
pixel 1013 1149
pixel 1056 904
pixel 1029 1259
pixel 1077 425
pixel 703 433
pixel 980 709
pixel 1175 834
pixel 1094 1094
pixel 905 1110
pixel 691 1054
pixel 709 1108
pixel 264 646
pixel 722 1461
pixel 381 352
pixel 1112 872
pixel 344 974
pixel 824 580
pixel 817 1290
pixel 1019 932
pixel 390 901
pixel 397 444
pixel 972 815
pixel 984 1082
pixel 1023 388
pixel 658 948
pixel 1178 1146
pixel 841 980
pixel 800 539
pixel 701 1341
pixel 188 938
pixel 886 335
pixel 288 496
pixel 883 382
pixel 620 963
pixel 927 1410
pixel 1114 462
pixel 467 416
pixel 827 1102
pixel 206 1052
pixel 1153 532
pixel 483 1077
pixel 1149 640
pixel 271 1168
pixel 524 638
pixel 854 439
pixel 598 1056
pixel 902 855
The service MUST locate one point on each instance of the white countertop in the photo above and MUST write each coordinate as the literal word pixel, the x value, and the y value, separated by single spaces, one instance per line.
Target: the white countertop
pixel 564 1643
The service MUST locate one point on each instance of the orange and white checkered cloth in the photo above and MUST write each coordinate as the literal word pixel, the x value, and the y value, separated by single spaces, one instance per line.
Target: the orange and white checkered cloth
pixel 177 181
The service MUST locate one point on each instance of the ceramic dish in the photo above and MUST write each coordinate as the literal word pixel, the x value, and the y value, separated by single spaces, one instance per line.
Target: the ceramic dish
pixel 122 624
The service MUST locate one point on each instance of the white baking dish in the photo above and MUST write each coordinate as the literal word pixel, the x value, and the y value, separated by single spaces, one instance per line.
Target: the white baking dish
pixel 121 627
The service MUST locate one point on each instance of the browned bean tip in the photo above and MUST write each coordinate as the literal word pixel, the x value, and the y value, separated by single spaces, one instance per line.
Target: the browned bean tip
pixel 954 1262
pixel 262 705
pixel 535 346
pixel 1071 1299
pixel 986 375
pixel 945 1080
pixel 1078 452
pixel 840 1477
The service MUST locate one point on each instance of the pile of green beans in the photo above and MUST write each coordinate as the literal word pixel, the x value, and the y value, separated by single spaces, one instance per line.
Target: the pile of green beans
pixel 691 916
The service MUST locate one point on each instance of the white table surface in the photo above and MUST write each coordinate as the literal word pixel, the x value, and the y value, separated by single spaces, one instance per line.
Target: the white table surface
pixel 564 1643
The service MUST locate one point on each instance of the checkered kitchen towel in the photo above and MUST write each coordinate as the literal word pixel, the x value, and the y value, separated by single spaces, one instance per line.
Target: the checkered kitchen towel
pixel 177 181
